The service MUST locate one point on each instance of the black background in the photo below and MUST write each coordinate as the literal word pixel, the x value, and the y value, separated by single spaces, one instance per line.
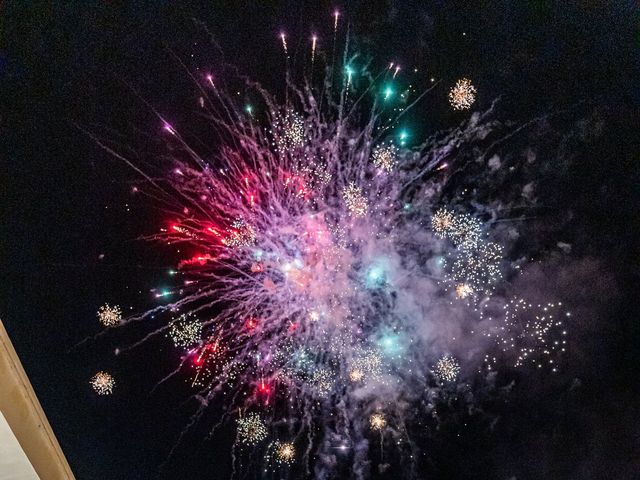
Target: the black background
pixel 65 202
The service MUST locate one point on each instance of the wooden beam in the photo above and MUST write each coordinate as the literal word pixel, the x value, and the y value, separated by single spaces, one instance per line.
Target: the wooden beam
pixel 24 414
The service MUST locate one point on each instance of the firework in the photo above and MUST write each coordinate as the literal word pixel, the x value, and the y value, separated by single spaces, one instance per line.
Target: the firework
pixel 463 290
pixel 305 244
pixel 384 157
pixel 103 383
pixel 185 331
pixel 241 234
pixel 355 201
pixel 208 359
pixel 109 316
pixel 442 222
pixel 377 421
pixel 462 95
pixel 462 229
pixel 317 174
pixel 251 429
pixel 447 369
pixel 474 271
pixel 297 364
pixel 533 333
pixel 288 132
pixel 323 381
pixel 366 365
pixel 314 40
pixel 280 453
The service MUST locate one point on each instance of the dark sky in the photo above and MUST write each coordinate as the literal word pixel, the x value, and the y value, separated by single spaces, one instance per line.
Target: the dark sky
pixel 65 203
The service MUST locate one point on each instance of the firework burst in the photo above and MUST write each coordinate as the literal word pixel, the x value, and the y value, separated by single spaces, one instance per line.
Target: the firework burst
pixel 251 429
pixel 280 454
pixel 462 95
pixel 377 421
pixel 463 290
pixel 309 276
pixel 447 369
pixel 535 333
pixel 185 331
pixel 355 200
pixel 288 132
pixel 323 381
pixel 442 222
pixel 103 383
pixel 109 316
pixel 462 229
pixel 384 157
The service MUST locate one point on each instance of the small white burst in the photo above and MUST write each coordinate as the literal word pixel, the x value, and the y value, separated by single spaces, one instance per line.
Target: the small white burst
pixel 463 290
pixel 442 222
pixel 366 365
pixel 185 332
pixel 109 316
pixel 316 174
pixel 447 369
pixel 284 453
pixel 322 380
pixel 103 383
pixel 474 271
pixel 384 157
pixel 289 131
pixel 251 429
pixel 355 200
pixel 462 95
pixel 377 421
pixel 533 334
pixel 462 229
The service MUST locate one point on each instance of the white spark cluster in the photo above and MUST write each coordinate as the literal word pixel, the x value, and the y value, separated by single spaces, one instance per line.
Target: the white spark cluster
pixel 462 95
pixel 384 157
pixel 355 201
pixel 103 383
pixel 251 429
pixel 185 331
pixel 535 333
pixel 109 316
pixel 447 369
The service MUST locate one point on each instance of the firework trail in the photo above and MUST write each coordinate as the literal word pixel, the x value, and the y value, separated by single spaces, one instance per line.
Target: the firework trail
pixel 320 262
pixel 314 41
pixel 283 37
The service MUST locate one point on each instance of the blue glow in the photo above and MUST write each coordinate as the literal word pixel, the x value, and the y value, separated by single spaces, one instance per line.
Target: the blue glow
pixel 403 135
pixel 391 343
pixel 349 71
pixel 388 92
pixel 163 293
pixel 375 276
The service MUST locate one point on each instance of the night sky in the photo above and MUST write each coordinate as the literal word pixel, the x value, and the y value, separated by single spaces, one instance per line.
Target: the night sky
pixel 70 226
